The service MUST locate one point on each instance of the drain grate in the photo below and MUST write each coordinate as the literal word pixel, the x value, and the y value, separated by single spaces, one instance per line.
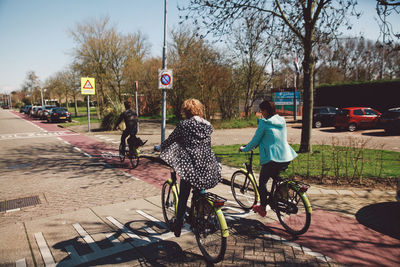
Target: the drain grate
pixel 19 203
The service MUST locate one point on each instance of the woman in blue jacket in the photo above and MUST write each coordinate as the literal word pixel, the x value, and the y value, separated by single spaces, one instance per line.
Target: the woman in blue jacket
pixel 275 152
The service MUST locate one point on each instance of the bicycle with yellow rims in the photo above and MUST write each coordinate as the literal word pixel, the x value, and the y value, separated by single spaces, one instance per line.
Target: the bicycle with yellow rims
pixel 205 217
pixel 287 198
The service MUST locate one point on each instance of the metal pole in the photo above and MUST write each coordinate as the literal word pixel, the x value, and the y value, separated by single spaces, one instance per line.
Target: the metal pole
pixel 136 102
pixel 164 66
pixel 294 99
pixel 41 95
pixel 88 112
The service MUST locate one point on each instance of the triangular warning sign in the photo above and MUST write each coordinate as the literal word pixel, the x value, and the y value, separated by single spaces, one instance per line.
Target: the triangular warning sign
pixel 88 85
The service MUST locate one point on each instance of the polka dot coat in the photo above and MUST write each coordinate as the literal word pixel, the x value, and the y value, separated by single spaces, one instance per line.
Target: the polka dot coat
pixel 188 151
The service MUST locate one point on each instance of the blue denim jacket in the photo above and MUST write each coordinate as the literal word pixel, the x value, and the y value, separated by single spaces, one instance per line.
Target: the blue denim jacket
pixel 271 136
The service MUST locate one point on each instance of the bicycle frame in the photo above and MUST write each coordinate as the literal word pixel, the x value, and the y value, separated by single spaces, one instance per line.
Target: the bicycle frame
pixel 218 210
pixel 296 185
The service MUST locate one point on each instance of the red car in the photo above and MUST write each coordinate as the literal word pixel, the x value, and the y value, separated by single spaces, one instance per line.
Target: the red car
pixel 357 118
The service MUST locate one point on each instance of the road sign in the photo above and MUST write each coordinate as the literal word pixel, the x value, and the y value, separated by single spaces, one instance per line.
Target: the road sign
pixel 165 79
pixel 88 86
pixel 286 98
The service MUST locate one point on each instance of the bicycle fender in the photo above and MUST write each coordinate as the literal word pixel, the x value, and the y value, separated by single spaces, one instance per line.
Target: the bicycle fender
pixel 175 194
pixel 255 181
pixel 221 218
pixel 307 202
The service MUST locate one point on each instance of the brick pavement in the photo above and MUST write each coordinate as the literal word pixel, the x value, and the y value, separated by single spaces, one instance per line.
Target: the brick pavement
pixel 253 241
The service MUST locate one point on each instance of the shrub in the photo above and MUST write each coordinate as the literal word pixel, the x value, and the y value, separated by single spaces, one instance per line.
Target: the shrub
pixel 111 116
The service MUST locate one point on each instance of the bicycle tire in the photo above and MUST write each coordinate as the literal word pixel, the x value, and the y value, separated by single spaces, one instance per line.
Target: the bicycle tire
pixel 168 203
pixel 290 207
pixel 121 154
pixel 243 190
pixel 208 231
pixel 134 159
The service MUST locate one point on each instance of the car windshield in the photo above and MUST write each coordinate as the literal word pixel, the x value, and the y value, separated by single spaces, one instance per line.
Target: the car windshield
pixel 59 110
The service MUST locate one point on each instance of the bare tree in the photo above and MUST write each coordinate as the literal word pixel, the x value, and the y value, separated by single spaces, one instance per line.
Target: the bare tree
pixel 308 21
pixel 31 86
pixel 254 50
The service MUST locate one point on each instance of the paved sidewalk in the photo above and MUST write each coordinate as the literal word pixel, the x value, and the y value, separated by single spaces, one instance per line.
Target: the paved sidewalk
pixel 349 227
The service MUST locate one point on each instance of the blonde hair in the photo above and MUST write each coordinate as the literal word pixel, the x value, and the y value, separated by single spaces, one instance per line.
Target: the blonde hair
pixel 192 107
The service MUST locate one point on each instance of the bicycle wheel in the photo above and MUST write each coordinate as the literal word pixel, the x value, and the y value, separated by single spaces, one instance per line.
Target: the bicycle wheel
pixel 134 159
pixel 121 153
pixel 208 231
pixel 290 207
pixel 168 203
pixel 243 190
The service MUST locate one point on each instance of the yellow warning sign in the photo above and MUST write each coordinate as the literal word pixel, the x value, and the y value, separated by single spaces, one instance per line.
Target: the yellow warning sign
pixel 88 86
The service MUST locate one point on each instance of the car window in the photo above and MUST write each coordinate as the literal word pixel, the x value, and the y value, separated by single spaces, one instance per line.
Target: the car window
pixel 324 111
pixel 370 112
pixel 358 112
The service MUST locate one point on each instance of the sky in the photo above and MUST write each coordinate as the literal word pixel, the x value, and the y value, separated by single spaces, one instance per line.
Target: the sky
pixel 34 34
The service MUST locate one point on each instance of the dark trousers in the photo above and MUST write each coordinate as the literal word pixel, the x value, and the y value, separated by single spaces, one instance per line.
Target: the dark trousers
pixel 270 169
pixel 132 136
pixel 184 192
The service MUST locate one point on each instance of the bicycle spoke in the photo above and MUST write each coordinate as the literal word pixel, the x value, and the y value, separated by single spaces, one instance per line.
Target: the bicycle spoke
pixel 292 212
pixel 209 233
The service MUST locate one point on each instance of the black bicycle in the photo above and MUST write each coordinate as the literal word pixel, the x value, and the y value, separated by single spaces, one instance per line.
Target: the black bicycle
pixel 287 198
pixel 133 152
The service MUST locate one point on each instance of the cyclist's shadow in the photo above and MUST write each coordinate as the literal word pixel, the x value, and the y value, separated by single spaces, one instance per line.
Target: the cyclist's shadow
pixel 253 228
pixel 148 247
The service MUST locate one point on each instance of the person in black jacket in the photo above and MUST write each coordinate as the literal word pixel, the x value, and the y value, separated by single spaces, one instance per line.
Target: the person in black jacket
pixel 131 121
pixel 188 151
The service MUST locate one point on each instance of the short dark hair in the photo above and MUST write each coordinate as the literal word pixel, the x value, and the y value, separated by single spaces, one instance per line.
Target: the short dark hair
pixel 127 104
pixel 268 106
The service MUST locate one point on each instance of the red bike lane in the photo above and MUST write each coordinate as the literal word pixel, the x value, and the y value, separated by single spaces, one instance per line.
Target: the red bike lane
pixel 340 237
pixel 147 170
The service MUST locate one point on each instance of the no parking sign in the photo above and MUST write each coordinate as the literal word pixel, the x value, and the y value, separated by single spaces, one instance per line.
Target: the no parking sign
pixel 165 79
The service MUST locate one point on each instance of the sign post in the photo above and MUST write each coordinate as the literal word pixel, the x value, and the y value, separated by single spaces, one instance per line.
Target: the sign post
pixel 88 88
pixel 165 79
pixel 136 102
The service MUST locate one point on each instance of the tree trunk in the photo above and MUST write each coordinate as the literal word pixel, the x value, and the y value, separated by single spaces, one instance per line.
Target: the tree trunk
pixel 308 94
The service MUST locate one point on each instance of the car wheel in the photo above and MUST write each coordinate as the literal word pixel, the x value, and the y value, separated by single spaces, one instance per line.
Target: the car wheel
pixel 352 127
pixel 318 124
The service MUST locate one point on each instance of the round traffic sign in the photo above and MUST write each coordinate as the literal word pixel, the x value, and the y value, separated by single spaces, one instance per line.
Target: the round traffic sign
pixel 165 79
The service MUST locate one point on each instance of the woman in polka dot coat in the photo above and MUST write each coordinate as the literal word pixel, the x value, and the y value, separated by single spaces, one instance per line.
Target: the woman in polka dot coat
pixel 188 151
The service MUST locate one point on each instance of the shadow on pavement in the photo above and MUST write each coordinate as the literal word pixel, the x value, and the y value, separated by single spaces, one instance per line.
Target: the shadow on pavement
pixel 381 217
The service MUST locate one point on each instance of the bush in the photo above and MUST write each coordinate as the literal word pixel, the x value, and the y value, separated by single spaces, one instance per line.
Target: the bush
pixel 111 116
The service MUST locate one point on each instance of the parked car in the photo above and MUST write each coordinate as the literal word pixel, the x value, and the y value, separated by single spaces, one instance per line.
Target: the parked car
pixel 324 116
pixel 28 109
pixel 45 111
pixel 22 109
pixel 5 106
pixel 390 120
pixel 36 111
pixel 354 118
pixel 58 114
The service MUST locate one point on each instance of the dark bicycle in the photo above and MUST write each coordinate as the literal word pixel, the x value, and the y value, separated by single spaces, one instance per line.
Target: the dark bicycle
pixel 287 198
pixel 133 152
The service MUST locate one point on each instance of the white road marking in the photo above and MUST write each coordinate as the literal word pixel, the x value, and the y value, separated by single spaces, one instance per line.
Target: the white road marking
pixel 12 210
pixel 137 241
pixel 35 135
pixel 20 263
pixel 44 250
pixel 151 218
pixel 88 239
